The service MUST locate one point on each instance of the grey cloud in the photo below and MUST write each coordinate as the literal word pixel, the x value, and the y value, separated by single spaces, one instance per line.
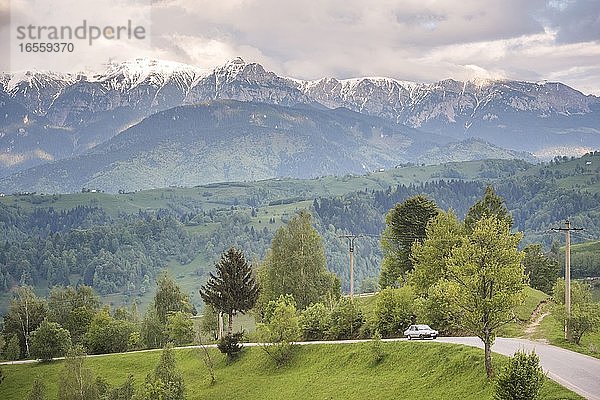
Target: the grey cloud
pixel 575 21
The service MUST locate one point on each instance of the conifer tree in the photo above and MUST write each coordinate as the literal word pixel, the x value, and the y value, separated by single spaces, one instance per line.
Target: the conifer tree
pixel 233 288
pixel 490 205
pixel 405 225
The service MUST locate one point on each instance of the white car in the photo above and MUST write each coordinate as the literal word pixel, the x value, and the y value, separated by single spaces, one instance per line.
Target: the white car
pixel 420 332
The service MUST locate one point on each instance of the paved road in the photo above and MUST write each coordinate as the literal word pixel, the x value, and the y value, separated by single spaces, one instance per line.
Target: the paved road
pixel 578 372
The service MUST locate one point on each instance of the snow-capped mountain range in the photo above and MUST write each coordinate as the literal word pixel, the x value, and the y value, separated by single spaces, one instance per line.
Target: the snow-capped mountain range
pixel 50 116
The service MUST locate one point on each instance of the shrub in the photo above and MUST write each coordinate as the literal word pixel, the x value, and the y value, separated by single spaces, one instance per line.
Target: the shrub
pixel 180 328
pixel 377 351
pixel 107 334
pixel 314 322
pixel 231 345
pixel 346 320
pixel 436 310
pixel 281 329
pixel 49 340
pixel 521 378
pixel 585 314
pixel 12 351
pixel 394 310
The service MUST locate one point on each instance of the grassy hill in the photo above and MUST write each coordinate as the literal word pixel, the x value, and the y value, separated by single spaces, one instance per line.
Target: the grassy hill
pixel 275 191
pixel 410 370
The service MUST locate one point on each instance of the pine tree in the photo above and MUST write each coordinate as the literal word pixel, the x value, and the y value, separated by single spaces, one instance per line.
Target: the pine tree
pixel 405 225
pixel 233 288
pixel 489 205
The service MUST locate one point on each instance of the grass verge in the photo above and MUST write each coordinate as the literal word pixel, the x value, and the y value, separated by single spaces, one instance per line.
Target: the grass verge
pixel 409 370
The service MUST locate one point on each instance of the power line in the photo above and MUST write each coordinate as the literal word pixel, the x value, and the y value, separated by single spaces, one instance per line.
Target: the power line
pixel 567 229
pixel 351 238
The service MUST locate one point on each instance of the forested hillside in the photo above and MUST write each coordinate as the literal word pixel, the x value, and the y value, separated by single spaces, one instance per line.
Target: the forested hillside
pixel 118 243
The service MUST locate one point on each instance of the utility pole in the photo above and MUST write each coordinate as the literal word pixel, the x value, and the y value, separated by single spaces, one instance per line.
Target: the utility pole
pixel 351 239
pixel 567 229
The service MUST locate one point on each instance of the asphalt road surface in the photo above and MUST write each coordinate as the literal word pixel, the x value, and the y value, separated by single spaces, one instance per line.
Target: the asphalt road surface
pixel 578 372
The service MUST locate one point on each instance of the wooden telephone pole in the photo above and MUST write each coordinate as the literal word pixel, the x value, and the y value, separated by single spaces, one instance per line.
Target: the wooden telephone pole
pixel 351 239
pixel 567 229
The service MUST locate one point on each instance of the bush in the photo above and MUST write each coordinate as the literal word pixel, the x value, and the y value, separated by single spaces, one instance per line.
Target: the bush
pixel 314 322
pixel 394 310
pixel 585 314
pixel 346 320
pixel 49 340
pixel 231 345
pixel 12 350
pixel 166 382
pixel 521 378
pixel 280 330
pixel 436 310
pixel 107 335
pixel 377 351
pixel 38 390
pixel 180 328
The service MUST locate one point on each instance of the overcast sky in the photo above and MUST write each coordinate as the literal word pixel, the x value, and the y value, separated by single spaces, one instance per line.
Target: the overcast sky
pixel 418 40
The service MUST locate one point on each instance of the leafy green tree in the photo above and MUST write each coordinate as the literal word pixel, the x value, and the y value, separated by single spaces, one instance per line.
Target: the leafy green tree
pixel 77 380
pixel 49 340
pixel 541 269
pixel 25 314
pixel 435 309
pixel 580 292
pixel 38 390
pixel 394 310
pixel 521 379
pixel 443 233
pixel 134 342
pixel 405 225
pixel 169 298
pixel 152 332
pixel 314 322
pixel 585 313
pixel 166 382
pixel 296 265
pixel 209 323
pixel 280 329
pixel 485 281
pixel 233 289
pixel 489 205
pixel 346 320
pixel 73 309
pixel 180 328
pixel 107 335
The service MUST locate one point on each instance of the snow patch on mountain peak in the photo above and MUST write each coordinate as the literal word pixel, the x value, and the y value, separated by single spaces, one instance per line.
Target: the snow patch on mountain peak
pixel 132 73
pixel 35 78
